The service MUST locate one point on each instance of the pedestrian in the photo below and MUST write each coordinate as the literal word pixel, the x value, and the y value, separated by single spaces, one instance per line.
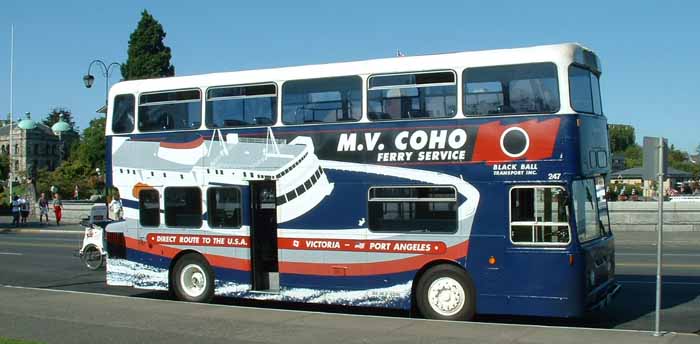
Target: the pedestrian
pixel 15 211
pixel 76 192
pixel 43 208
pixel 24 209
pixel 116 208
pixel 57 207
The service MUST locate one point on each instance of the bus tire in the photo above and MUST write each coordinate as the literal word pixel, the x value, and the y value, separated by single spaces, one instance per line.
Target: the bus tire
pixel 193 279
pixel 445 292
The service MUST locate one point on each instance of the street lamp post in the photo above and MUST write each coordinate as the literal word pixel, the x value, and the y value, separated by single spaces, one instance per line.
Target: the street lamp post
pixel 59 128
pixel 89 79
pixel 99 181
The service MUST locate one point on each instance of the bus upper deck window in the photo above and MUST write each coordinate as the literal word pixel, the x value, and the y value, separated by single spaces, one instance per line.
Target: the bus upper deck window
pixel 513 89
pixel 123 114
pixel 235 106
pixel 170 110
pixel 337 99
pixel 412 95
pixel 585 90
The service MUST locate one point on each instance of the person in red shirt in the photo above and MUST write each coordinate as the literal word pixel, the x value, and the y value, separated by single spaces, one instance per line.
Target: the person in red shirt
pixel 57 207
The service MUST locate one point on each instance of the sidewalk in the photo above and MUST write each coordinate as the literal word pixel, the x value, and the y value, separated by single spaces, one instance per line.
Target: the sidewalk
pixel 54 316
pixel 33 226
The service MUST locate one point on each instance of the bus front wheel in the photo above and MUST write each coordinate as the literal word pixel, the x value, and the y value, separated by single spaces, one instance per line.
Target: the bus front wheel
pixel 446 292
pixel 193 279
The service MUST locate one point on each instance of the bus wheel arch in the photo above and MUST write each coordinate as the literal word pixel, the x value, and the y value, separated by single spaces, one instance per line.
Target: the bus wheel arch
pixel 445 273
pixel 191 277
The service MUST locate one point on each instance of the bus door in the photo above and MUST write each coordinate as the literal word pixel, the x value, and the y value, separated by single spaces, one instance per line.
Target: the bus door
pixel 263 236
pixel 538 255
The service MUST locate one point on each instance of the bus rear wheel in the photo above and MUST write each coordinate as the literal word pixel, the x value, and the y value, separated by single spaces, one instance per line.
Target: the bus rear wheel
pixel 193 279
pixel 445 292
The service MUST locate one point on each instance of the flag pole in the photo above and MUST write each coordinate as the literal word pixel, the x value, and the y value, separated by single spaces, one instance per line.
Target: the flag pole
pixel 12 62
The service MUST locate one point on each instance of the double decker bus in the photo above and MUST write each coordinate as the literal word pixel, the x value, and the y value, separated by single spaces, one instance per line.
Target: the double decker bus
pixel 451 185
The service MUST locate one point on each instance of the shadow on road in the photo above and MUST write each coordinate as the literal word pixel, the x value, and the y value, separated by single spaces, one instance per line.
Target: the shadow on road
pixel 633 307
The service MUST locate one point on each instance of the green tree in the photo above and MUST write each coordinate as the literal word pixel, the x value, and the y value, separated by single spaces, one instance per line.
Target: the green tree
pixel 147 57
pixel 633 156
pixel 621 137
pixel 86 154
pixel 91 150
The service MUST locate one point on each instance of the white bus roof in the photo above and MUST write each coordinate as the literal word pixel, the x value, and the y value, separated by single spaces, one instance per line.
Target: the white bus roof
pixel 562 54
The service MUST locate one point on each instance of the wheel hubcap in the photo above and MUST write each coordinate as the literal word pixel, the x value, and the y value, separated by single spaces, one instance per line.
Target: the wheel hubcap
pixel 193 280
pixel 446 296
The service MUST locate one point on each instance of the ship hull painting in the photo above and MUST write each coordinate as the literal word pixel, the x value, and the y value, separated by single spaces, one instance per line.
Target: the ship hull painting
pixel 315 226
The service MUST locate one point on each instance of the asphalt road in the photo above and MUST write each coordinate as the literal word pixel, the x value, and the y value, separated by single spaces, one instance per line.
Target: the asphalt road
pixel 50 261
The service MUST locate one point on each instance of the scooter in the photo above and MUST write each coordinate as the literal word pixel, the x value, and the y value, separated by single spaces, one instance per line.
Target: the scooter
pixel 93 253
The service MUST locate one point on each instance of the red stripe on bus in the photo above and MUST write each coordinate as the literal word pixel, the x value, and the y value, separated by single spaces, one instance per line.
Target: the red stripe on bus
pixel 183 145
pixel 542 135
pixel 380 246
pixel 376 268
pixel 170 252
pixel 321 269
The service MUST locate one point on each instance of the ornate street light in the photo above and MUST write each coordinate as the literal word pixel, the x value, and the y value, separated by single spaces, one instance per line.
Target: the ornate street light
pixel 59 128
pixel 89 79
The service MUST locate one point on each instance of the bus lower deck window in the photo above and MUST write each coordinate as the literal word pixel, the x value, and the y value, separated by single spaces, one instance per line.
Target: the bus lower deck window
pixel 149 208
pixel 538 215
pixel 183 207
pixel 416 209
pixel 224 207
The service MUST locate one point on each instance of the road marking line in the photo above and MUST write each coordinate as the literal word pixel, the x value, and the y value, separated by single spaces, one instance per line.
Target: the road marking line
pixel 11 254
pixel 26 244
pixel 654 282
pixel 328 314
pixel 650 265
pixel 654 254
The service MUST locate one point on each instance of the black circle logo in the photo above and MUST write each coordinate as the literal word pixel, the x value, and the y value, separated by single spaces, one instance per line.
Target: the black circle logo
pixel 514 142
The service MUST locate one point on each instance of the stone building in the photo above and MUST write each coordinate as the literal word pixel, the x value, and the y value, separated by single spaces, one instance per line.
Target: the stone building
pixel 33 149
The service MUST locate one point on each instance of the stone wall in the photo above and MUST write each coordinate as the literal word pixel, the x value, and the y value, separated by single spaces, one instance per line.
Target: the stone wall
pixel 643 216
pixel 624 216
pixel 73 212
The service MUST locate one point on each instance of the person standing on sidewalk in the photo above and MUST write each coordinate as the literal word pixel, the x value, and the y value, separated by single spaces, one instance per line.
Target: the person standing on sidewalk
pixel 15 211
pixel 116 207
pixel 23 209
pixel 57 207
pixel 43 208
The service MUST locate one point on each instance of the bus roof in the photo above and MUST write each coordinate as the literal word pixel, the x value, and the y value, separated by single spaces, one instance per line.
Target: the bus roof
pixel 558 53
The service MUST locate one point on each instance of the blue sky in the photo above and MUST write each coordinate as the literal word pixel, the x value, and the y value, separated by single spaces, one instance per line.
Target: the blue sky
pixel 649 49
